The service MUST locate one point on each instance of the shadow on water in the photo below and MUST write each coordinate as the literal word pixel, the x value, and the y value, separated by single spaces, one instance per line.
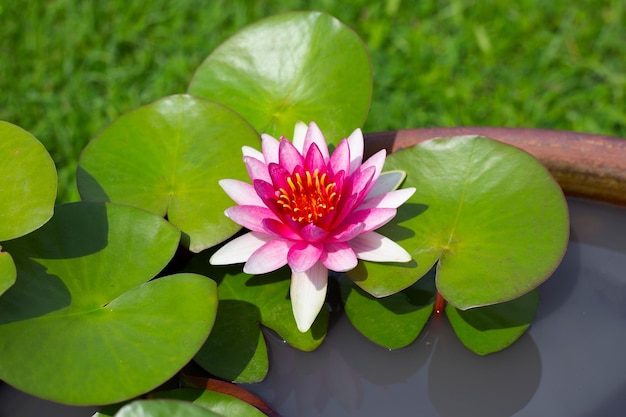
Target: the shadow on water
pixel 461 383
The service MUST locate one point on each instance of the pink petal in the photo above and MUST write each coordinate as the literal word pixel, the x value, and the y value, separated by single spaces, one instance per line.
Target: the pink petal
pixel 239 249
pixel 257 170
pixel 302 256
pixel 288 156
pixel 279 176
pixel 377 161
pixel 242 193
pixel 393 199
pixel 314 135
pixel 268 258
pixel 362 180
pixel 339 257
pixel 313 233
pixel 340 159
pixel 270 148
pixel 372 218
pixel 348 232
pixel 355 140
pixel 308 294
pixel 279 228
pixel 314 159
pixel 250 217
pixel 375 247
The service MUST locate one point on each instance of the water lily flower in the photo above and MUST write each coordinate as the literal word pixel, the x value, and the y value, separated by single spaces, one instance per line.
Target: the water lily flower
pixel 312 211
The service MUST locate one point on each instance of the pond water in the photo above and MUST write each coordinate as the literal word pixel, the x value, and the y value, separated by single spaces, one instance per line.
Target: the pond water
pixel 569 364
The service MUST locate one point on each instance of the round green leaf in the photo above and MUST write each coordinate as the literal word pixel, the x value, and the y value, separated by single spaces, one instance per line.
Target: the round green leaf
pixel 167 158
pixel 394 321
pixel 492 328
pixel 490 215
pixel 236 349
pixel 29 182
pixel 7 271
pixel 217 402
pixel 164 408
pixel 83 324
pixel 303 66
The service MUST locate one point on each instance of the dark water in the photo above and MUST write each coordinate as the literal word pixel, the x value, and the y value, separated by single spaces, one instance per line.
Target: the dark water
pixel 571 363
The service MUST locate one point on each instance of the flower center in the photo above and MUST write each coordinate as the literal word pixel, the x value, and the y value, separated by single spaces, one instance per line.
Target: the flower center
pixel 309 197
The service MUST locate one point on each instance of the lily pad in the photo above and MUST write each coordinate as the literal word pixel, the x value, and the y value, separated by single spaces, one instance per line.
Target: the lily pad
pixel 492 328
pixel 236 349
pixel 217 402
pixel 83 324
pixel 29 182
pixel 164 408
pixel 300 66
pixel 394 321
pixel 488 214
pixel 167 158
pixel 7 271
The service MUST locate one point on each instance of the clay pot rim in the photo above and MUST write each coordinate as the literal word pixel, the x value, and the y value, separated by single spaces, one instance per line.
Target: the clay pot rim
pixel 584 164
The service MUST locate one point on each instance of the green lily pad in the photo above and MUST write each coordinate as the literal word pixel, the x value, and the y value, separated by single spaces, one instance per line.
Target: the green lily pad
pixel 83 324
pixel 394 321
pixel 29 182
pixel 492 328
pixel 7 271
pixel 217 402
pixel 302 66
pixel 236 349
pixel 488 214
pixel 167 158
pixel 164 408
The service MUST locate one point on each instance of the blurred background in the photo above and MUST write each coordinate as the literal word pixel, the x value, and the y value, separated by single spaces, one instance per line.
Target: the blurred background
pixel 70 67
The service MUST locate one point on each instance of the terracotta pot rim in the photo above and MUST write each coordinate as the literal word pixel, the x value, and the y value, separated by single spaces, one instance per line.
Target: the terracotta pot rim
pixel 584 164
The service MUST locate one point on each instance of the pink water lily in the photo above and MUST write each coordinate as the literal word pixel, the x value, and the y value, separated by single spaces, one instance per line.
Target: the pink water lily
pixel 313 211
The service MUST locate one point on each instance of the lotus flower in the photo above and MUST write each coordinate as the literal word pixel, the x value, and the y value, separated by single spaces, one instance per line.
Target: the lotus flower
pixel 312 211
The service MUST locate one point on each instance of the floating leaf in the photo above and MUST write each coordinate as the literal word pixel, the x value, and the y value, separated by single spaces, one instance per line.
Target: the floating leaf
pixel 394 321
pixel 490 216
pixel 82 324
pixel 217 402
pixel 236 349
pixel 492 328
pixel 304 66
pixel 167 158
pixel 164 408
pixel 7 271
pixel 29 182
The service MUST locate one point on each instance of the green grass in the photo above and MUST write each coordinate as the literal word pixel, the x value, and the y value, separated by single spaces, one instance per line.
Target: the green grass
pixel 70 67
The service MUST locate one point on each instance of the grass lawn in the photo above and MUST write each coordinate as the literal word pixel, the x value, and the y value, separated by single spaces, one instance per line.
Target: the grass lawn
pixel 69 67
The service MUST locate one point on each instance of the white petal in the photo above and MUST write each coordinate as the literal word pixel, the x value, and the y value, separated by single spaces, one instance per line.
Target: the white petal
pixel 249 151
pixel 242 193
pixel 239 249
pixel 299 132
pixel 308 293
pixel 270 148
pixel 387 181
pixel 375 247
pixel 355 140
pixel 393 199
